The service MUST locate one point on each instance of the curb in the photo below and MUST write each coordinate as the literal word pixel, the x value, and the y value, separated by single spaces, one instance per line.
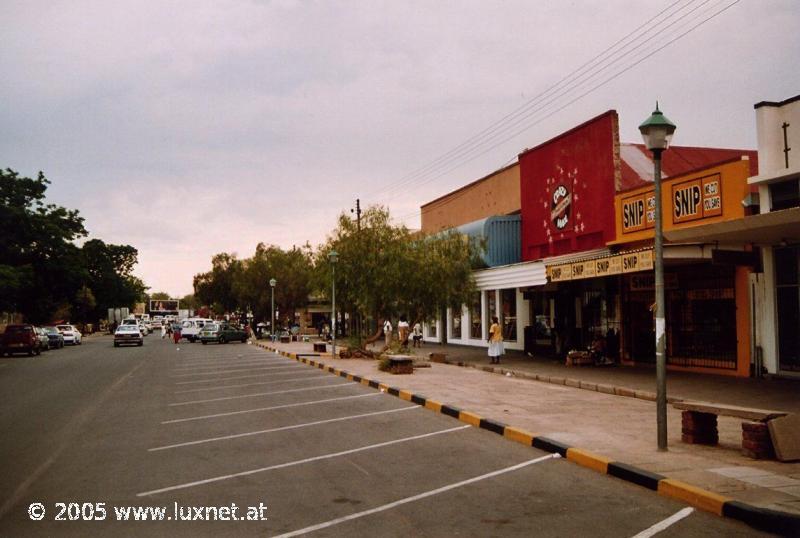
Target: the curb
pixel 774 521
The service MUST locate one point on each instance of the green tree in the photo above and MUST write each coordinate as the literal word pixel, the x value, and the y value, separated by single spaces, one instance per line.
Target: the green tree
pixel 216 287
pixel 40 267
pixel 110 275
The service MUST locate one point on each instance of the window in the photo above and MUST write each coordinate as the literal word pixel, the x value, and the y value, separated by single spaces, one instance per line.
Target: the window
pixel 491 306
pixel 508 300
pixel 785 194
pixel 432 329
pixel 455 332
pixel 475 318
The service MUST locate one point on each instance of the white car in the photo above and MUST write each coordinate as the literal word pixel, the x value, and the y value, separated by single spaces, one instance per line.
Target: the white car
pixel 128 334
pixel 70 333
pixel 134 323
pixel 191 327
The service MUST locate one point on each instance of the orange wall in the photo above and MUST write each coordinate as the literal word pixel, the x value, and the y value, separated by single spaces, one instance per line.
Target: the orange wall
pixel 733 179
pixel 496 194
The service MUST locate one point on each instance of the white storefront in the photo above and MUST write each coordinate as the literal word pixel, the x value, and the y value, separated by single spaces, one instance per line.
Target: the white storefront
pixel 499 294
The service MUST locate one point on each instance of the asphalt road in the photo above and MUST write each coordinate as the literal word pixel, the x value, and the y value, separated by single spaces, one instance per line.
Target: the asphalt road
pixel 195 430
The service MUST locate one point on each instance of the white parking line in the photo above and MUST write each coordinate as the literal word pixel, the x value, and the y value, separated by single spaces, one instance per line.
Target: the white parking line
pixel 299 462
pixel 282 428
pixel 205 389
pixel 251 376
pixel 225 360
pixel 414 498
pixel 228 364
pixel 216 415
pixel 265 393
pixel 662 525
pixel 236 370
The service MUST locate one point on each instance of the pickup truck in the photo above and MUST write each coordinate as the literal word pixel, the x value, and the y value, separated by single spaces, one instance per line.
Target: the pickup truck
pixel 20 339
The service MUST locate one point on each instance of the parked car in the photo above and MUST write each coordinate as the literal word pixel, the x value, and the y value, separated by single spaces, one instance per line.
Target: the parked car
pixel 222 333
pixel 128 334
pixel 55 337
pixel 71 334
pixel 44 341
pixel 21 338
pixel 191 327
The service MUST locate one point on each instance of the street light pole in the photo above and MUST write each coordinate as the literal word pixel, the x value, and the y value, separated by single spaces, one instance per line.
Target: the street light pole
pixel 657 133
pixel 333 256
pixel 272 283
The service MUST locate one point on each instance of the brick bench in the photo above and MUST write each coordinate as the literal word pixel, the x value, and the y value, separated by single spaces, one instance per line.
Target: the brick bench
pixel 699 426
pixel 401 364
pixel 320 347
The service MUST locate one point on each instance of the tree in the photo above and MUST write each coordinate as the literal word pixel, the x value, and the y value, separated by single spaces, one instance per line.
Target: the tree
pixel 385 270
pixel 216 287
pixel 110 275
pixel 40 267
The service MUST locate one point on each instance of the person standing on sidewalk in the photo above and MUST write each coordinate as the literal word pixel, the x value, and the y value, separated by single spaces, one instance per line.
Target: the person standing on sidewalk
pixel 403 331
pixel 417 334
pixel 495 341
pixel 387 331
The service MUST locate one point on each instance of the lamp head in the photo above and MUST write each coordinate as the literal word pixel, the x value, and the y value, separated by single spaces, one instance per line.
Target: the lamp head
pixel 333 256
pixel 657 131
pixel 272 282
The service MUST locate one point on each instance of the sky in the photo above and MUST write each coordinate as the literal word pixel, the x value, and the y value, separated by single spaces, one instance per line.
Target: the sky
pixel 188 128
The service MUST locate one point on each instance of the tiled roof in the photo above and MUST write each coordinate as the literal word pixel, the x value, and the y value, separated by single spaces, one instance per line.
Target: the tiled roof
pixel 637 162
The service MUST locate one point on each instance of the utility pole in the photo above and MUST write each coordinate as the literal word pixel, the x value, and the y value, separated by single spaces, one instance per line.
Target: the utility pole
pixel 357 211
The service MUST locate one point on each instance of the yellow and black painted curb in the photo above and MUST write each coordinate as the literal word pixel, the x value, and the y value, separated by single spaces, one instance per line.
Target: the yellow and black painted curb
pixel 774 521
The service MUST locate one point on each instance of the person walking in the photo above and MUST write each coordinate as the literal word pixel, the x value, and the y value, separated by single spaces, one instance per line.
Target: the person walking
pixel 495 341
pixel 387 331
pixel 403 331
pixel 163 330
pixel 416 335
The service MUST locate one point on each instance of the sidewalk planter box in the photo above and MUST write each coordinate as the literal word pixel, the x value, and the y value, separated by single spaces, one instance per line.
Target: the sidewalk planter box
pixel 437 357
pixel 320 347
pixel 579 358
pixel 401 364
pixel 286 339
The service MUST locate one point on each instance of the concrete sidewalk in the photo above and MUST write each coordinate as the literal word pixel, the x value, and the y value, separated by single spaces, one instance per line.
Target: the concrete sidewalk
pixel 622 429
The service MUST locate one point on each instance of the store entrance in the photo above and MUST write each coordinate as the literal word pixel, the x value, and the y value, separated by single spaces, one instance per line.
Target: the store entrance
pixel 639 334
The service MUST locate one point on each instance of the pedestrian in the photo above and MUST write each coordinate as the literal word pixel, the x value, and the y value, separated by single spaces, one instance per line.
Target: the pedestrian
pixel 417 335
pixel 387 331
pixel 495 341
pixel 403 331
pixel 163 330
pixel 176 335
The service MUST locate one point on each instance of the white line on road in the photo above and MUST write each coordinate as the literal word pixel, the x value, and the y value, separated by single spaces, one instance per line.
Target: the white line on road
pixel 205 389
pixel 236 370
pixel 216 415
pixel 414 498
pixel 271 374
pixel 264 394
pixel 662 525
pixel 282 428
pixel 299 462
pixel 218 359
pixel 228 364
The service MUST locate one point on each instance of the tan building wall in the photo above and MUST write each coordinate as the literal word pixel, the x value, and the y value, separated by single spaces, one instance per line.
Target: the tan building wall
pixel 495 194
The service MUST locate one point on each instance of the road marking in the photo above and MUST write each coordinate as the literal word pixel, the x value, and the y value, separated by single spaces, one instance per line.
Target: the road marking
pixel 282 428
pixel 299 462
pixel 236 370
pixel 204 389
pixel 257 394
pixel 217 360
pixel 228 364
pixel 271 374
pixel 414 498
pixel 175 421
pixel 671 520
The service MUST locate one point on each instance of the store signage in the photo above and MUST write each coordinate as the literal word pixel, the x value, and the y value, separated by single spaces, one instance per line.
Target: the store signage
pixel 697 199
pixel 647 282
pixel 638 212
pixel 610 265
pixel 560 206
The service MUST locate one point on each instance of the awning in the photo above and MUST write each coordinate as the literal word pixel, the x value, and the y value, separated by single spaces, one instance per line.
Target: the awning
pixel 517 275
pixel 764 229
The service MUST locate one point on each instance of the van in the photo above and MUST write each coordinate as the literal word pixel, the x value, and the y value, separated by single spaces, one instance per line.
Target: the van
pixel 190 327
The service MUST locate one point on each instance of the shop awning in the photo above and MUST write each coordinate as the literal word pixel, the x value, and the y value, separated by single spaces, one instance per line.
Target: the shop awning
pixel 517 275
pixel 764 229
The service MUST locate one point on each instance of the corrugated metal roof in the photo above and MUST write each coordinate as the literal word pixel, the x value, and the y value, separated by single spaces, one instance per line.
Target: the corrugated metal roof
pixel 637 162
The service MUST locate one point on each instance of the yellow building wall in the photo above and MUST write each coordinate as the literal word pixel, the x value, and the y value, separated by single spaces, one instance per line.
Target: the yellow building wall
pixel 733 179
pixel 495 194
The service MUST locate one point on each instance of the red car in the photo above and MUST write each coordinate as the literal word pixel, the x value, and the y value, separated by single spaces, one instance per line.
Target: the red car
pixel 20 339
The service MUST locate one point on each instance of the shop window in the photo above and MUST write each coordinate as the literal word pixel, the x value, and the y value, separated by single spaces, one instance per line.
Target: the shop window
pixel 432 329
pixel 508 299
pixel 785 194
pixel 787 263
pixel 475 317
pixel 491 307
pixel 455 327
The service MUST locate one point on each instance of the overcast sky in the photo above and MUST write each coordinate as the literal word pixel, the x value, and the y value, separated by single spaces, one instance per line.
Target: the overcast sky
pixel 191 128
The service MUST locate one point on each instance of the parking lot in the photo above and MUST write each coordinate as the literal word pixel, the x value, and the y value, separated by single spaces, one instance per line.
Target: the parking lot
pixel 198 430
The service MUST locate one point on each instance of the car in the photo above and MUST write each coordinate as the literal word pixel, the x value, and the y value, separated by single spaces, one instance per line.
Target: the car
pixel 133 322
pixel 222 333
pixel 44 341
pixel 20 338
pixel 191 327
pixel 70 333
pixel 55 337
pixel 128 334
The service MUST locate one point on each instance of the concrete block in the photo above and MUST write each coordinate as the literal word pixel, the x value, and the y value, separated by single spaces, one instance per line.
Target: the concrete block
pixel 645 395
pixel 605 389
pixel 588 386
pixel 785 434
pixel 624 391
pixel 572 383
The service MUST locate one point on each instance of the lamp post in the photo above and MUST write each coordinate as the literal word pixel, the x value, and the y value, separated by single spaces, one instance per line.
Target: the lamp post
pixel 657 133
pixel 272 283
pixel 333 256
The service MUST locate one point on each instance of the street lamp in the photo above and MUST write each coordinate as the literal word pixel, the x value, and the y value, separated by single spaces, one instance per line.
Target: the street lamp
pixel 657 133
pixel 333 257
pixel 272 283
